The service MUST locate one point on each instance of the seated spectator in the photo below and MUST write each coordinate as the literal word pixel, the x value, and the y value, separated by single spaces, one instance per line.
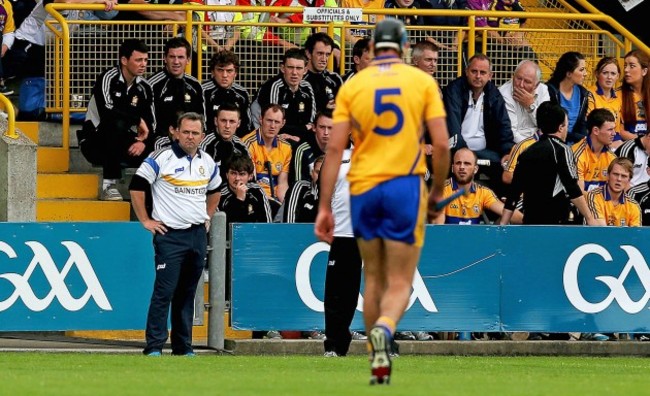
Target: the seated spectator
pixel 448 41
pixel 120 117
pixel 513 157
pixel 469 208
pixel 150 13
pixel 296 35
pixel 220 34
pixel 609 204
pixel 605 95
pixel 592 154
pixel 222 88
pixel 224 144
pixel 565 88
pixel 512 37
pixel 301 204
pixel 7 29
pixel 305 154
pixel 508 48
pixel 637 151
pixel 243 201
pixel 641 194
pixel 424 56
pixel 250 30
pixel 325 83
pixel 523 95
pixel 271 154
pixel 25 56
pixel 635 92
pixel 292 93
pixel 361 58
pixel 477 117
pixel 411 20
pixel 175 92
pixel 356 34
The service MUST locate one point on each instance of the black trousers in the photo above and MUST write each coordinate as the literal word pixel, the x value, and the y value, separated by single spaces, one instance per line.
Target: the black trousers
pixel 342 283
pixel 180 257
pixel 115 145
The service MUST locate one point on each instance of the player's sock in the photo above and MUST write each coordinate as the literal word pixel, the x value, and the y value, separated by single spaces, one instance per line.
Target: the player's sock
pixel 388 323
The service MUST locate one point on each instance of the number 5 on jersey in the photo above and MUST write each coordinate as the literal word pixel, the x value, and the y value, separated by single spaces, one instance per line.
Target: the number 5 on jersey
pixel 383 105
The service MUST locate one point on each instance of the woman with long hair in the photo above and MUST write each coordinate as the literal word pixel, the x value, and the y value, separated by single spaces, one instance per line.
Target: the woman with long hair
pixel 636 93
pixel 565 88
pixel 606 95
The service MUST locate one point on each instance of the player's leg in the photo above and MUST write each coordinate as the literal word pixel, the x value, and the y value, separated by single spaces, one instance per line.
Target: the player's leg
pixel 374 279
pixel 401 261
pixel 379 332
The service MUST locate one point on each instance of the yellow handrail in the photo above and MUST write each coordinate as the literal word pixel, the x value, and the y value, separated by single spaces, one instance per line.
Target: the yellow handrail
pixel 66 75
pixel 11 118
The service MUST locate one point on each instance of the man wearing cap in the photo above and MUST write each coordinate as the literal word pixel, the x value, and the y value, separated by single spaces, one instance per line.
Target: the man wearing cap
pixel 387 192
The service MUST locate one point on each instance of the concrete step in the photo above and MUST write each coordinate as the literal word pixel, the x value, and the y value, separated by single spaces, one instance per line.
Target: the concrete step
pixel 51 134
pixel 82 210
pixel 67 185
pixel 52 160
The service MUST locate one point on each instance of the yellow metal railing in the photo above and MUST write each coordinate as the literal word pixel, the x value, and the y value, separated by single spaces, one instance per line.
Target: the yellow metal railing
pixel 80 49
pixel 11 118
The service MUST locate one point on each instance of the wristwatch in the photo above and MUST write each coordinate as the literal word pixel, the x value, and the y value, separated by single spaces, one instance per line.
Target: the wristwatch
pixel 531 108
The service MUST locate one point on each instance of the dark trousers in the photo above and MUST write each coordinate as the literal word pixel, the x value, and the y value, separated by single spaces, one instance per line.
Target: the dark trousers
pixel 342 283
pixel 180 257
pixel 115 145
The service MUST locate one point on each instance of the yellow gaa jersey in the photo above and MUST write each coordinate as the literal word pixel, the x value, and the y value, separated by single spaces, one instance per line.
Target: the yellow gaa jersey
pixel 614 103
pixel 279 156
pixel 640 127
pixel 386 105
pixel 6 17
pixel 624 212
pixel 516 151
pixel 592 166
pixel 468 208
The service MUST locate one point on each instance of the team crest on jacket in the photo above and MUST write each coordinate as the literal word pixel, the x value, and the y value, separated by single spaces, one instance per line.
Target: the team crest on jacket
pixel 201 171
pixel 134 101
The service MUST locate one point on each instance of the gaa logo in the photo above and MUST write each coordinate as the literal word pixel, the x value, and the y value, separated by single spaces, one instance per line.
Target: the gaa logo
pixel 617 292
pixel 306 293
pixel 42 258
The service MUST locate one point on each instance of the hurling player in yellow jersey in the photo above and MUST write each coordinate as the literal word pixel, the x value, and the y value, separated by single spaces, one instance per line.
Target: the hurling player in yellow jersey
pixel 385 106
pixel 468 208
pixel 609 204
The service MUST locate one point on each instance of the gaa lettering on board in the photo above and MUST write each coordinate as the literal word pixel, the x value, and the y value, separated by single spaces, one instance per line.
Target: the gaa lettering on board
pixel 617 293
pixel 308 297
pixel 57 279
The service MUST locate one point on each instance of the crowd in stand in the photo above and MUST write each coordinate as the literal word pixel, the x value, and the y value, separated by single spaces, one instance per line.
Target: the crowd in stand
pixel 269 146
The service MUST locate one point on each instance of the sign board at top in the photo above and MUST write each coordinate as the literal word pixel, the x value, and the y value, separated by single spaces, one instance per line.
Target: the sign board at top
pixel 332 14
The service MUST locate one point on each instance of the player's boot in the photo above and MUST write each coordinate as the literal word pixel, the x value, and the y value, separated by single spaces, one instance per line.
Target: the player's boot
pixel 380 364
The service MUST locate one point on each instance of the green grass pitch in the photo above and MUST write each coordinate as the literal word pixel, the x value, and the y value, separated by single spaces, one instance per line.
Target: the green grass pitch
pixel 108 374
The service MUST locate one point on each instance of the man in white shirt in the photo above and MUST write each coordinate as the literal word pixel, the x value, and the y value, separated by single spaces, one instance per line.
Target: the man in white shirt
pixel 184 184
pixel 523 95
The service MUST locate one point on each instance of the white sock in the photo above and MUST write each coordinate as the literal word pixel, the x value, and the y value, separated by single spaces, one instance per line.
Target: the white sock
pixel 108 182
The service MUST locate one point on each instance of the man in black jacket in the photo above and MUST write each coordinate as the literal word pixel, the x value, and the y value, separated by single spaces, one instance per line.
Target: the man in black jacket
pixel 222 89
pixel 223 144
pixel 477 117
pixel 175 92
pixel 120 119
pixel 241 200
pixel 547 176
